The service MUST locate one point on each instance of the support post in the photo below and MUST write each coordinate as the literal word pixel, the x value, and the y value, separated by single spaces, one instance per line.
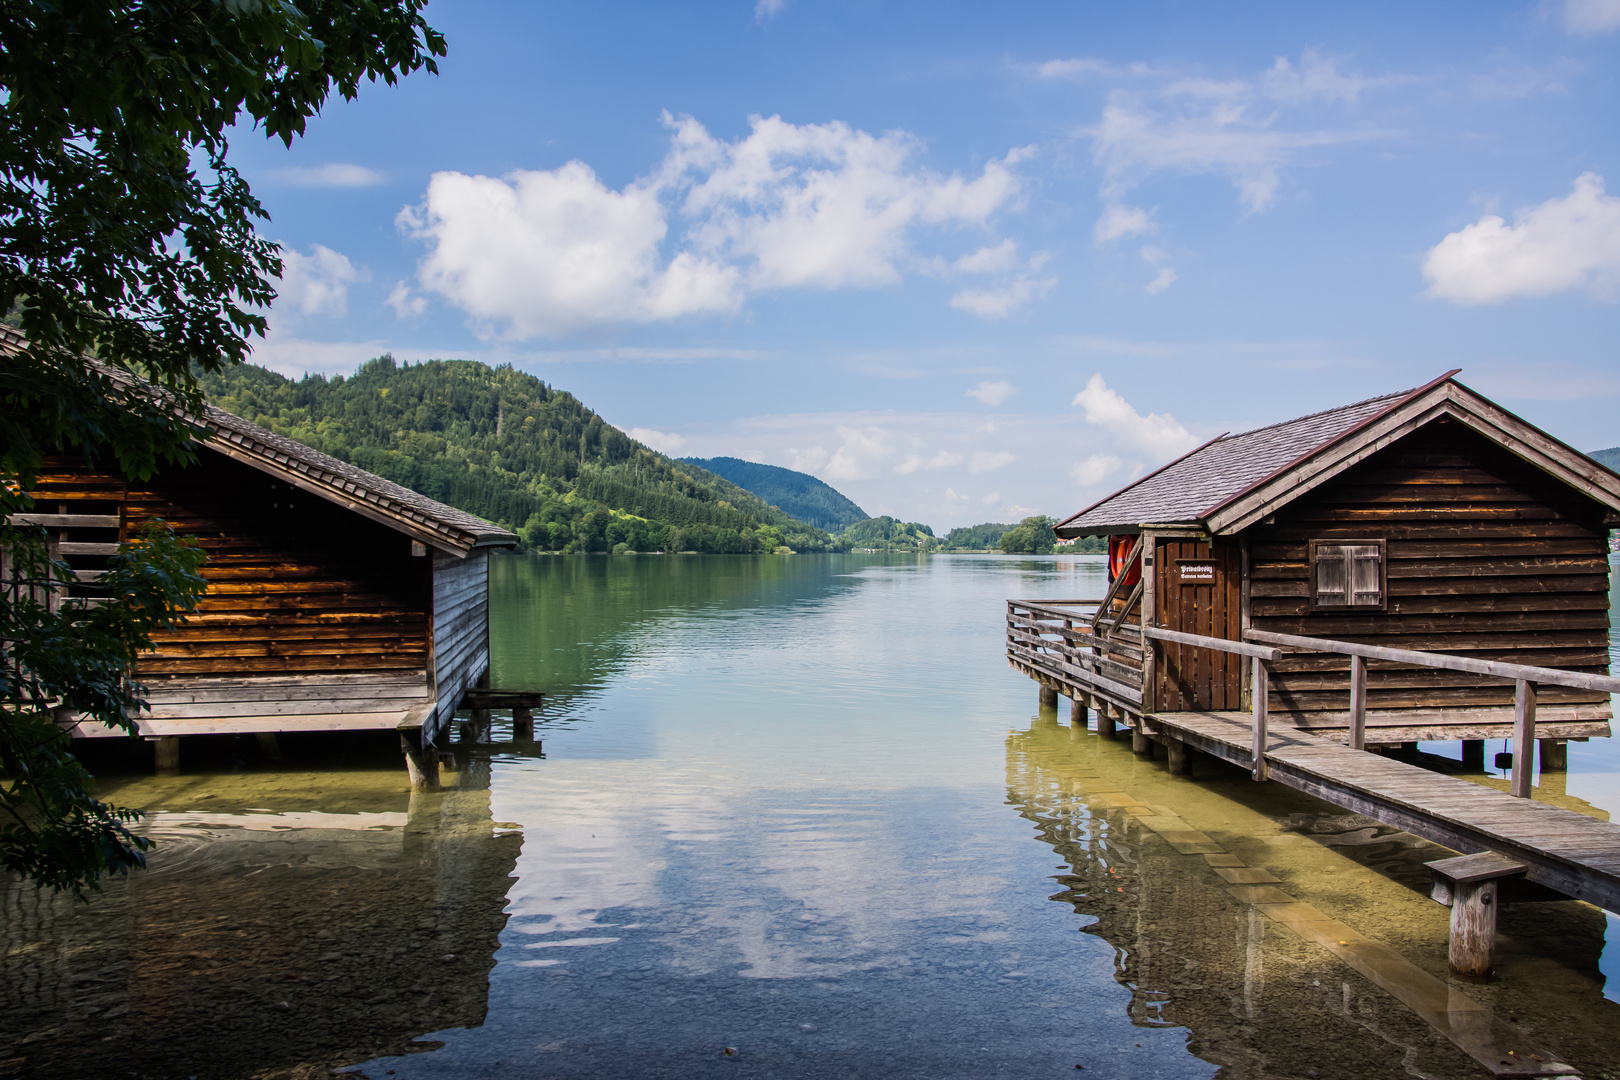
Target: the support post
pixel 269 745
pixel 1140 743
pixel 421 762
pixel 1471 886
pixel 1473 754
pixel 1524 738
pixel 1180 759
pixel 1048 696
pixel 1105 722
pixel 1358 703
pixel 1554 755
pixel 166 755
pixel 522 723
pixel 1262 695
pixel 1077 711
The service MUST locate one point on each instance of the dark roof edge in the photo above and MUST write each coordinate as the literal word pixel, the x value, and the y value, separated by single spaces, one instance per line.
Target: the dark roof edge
pixel 1396 401
pixel 1134 483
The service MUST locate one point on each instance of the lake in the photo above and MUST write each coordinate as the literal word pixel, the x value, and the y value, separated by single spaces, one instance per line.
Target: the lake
pixel 794 817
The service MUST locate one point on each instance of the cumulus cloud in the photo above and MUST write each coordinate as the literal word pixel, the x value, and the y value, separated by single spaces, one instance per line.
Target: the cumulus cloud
pixel 1095 469
pixel 1158 435
pixel 1591 16
pixel 1565 243
pixel 984 461
pixel 405 304
pixel 1119 220
pixel 993 393
pixel 317 283
pixel 766 10
pixel 663 442
pixel 551 252
pixel 334 175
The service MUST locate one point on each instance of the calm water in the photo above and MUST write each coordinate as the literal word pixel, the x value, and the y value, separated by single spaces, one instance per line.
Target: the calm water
pixel 795 818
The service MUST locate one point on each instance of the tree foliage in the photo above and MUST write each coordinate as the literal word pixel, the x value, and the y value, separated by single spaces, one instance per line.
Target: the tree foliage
pixel 888 534
pixel 127 236
pixel 1032 536
pixel 502 444
pixel 798 494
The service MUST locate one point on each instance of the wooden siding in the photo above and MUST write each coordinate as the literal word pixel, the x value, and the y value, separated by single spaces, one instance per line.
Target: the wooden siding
pixel 1188 677
pixel 313 615
pixel 1487 557
pixel 460 628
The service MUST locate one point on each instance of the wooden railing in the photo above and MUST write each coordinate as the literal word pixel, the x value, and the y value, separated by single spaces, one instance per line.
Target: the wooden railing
pixel 1065 641
pixel 1525 678
pixel 1261 655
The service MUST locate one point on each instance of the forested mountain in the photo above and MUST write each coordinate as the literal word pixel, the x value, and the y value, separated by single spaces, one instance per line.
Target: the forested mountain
pixel 798 494
pixel 501 444
pixel 1609 457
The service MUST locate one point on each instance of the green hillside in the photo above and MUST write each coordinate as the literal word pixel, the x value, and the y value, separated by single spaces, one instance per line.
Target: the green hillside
pixel 1609 457
pixel 974 537
pixel 888 534
pixel 503 445
pixel 795 493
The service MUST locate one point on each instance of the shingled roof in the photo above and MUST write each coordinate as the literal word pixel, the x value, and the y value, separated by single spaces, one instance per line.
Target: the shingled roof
pixel 365 493
pixel 1229 482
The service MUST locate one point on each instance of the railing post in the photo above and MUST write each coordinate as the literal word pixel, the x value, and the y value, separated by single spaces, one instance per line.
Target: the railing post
pixel 1358 703
pixel 1262 692
pixel 1524 737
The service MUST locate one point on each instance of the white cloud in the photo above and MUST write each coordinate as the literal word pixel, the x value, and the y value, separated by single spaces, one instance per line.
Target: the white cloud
pixel 1591 16
pixel 995 303
pixel 861 454
pixel 984 461
pixel 765 10
pixel 405 305
pixel 1095 469
pixel 334 175
pixel 663 442
pixel 993 393
pixel 295 357
pixel 1565 243
pixel 317 283
pixel 1233 128
pixel 1158 435
pixel 1119 220
pixel 552 252
pixel 991 499
pixel 944 460
pixel 1160 261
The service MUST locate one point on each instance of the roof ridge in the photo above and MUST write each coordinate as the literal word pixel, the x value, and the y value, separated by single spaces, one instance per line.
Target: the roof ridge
pixel 1320 412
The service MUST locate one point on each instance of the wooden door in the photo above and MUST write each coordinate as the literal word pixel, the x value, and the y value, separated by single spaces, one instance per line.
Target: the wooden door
pixel 1197 591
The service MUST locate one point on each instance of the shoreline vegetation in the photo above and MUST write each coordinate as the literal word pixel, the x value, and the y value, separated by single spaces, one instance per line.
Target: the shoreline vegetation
pixel 504 445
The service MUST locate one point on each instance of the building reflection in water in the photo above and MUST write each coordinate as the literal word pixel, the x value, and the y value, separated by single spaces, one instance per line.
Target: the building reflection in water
pixel 1255 997
pixel 262 944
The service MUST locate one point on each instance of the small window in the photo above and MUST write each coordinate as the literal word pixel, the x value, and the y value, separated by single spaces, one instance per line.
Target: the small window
pixel 1348 574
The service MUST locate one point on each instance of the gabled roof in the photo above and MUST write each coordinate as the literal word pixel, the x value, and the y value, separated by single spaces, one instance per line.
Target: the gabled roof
pixel 1231 482
pixel 394 505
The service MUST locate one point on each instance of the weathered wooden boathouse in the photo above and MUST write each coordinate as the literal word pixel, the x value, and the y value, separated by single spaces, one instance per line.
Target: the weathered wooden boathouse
pixel 1429 520
pixel 336 600
pixel 1419 566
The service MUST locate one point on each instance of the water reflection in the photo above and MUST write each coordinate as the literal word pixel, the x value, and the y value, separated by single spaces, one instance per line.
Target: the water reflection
pixel 260 941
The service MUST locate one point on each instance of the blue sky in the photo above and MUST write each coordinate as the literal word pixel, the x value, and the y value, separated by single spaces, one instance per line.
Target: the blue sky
pixel 970 262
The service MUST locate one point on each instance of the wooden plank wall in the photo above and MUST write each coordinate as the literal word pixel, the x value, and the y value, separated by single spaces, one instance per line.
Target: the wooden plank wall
pixel 297 585
pixel 460 628
pixel 1487 557
pixel 1189 677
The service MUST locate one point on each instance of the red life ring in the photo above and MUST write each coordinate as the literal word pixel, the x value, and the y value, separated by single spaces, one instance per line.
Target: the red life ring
pixel 1119 548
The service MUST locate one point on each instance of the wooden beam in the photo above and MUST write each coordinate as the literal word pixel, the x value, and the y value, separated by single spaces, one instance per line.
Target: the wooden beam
pixel 1358 703
pixel 1524 737
pixel 1113 589
pixel 1495 668
pixel 1262 695
pixel 1238 648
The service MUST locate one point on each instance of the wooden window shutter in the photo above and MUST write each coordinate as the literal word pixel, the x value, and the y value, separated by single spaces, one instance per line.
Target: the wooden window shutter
pixel 1347 574
pixel 1332 573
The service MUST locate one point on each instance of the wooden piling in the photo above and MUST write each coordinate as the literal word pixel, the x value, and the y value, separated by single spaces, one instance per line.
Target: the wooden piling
pixel 1524 737
pixel 269 745
pixel 1105 722
pixel 166 755
pixel 1140 743
pixel 1473 754
pixel 522 723
pixel 421 762
pixel 1471 885
pixel 1049 696
pixel 1554 755
pixel 1180 758
pixel 1358 703
pixel 1077 712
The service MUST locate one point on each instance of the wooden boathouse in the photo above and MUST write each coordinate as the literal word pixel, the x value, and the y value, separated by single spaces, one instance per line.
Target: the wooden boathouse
pixel 1418 566
pixel 336 600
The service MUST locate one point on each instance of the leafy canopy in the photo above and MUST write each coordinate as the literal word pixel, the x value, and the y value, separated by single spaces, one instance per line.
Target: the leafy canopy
pixel 126 235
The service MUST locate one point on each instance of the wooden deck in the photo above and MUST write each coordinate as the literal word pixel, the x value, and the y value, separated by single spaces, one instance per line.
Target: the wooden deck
pixel 1566 851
